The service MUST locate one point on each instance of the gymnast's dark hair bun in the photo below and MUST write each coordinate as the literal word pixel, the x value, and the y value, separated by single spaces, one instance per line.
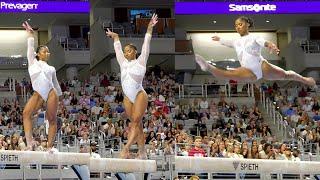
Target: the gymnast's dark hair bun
pixel 39 49
pixel 247 20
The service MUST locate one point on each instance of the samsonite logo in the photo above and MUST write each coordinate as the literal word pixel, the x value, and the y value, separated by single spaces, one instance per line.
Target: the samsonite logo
pixel 252 7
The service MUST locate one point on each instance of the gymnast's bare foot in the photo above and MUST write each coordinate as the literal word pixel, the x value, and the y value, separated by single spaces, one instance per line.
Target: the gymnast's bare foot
pixel 52 150
pixel 125 154
pixel 142 154
pixel 31 146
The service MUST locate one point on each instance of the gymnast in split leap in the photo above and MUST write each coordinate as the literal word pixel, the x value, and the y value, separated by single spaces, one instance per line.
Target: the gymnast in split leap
pixel 135 102
pixel 253 65
pixel 46 89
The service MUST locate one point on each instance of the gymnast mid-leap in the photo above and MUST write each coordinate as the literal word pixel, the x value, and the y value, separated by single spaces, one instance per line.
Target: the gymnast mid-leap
pixel 46 89
pixel 135 102
pixel 253 65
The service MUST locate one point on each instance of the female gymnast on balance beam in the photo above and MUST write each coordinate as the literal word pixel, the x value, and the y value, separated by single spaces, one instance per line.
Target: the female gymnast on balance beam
pixel 135 102
pixel 253 65
pixel 46 89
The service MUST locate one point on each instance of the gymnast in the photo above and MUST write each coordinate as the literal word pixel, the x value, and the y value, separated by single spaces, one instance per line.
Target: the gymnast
pixel 46 89
pixel 135 102
pixel 253 65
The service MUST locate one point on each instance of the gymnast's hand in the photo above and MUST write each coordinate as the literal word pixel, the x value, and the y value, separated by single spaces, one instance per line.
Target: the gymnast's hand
pixel 27 27
pixel 111 34
pixel 154 20
pixel 215 38
pixel 273 47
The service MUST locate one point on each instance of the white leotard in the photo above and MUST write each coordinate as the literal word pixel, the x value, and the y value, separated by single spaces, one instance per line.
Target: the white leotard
pixel 132 72
pixel 248 49
pixel 43 77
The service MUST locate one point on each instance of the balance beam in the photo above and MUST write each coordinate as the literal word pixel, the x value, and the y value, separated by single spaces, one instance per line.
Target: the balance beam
pixel 209 164
pixel 112 165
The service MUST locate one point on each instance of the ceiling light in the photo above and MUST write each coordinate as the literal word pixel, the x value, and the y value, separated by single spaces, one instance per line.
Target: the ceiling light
pixel 214 22
pixel 267 21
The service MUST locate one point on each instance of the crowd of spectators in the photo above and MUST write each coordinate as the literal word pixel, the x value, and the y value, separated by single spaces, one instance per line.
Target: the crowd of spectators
pixel 300 108
pixel 232 132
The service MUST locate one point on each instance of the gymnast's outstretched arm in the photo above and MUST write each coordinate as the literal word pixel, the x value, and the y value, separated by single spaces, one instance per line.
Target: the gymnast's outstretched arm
pixel 30 51
pixel 117 46
pixel 225 42
pixel 143 58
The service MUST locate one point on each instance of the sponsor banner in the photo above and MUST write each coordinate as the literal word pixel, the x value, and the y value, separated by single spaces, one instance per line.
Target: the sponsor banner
pixel 44 7
pixel 310 7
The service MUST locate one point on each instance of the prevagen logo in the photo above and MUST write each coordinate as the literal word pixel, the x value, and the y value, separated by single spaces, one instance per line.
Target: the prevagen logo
pixel 253 7
pixel 18 6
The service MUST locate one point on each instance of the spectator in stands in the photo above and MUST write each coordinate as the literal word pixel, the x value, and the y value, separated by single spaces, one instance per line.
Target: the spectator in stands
pixel 296 155
pixel 267 152
pixel 193 114
pixel 237 151
pixel 120 109
pixel 96 110
pixel 182 115
pixel 197 150
pixel 266 131
pixel 119 97
pixel 316 106
pixel 66 100
pixel 85 141
pixel 204 105
pixel 109 128
pixel 93 150
pixel 109 97
pixel 105 82
pixel 151 137
pixel 288 154
pixel 168 150
pixel 103 119
pixel 303 92
pixel 245 112
pixel 73 99
pixel 84 109
pixel 214 150
pixel 222 150
pixel 74 110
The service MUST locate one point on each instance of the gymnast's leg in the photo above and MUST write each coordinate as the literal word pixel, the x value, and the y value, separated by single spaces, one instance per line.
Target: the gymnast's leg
pixel 52 107
pixel 272 72
pixel 240 74
pixel 136 130
pixel 32 106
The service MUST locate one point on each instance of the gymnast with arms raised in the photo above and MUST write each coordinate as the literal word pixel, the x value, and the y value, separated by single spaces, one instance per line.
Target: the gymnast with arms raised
pixel 46 89
pixel 135 101
pixel 253 65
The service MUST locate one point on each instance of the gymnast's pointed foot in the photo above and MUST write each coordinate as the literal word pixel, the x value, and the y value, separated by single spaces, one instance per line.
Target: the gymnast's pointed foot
pixel 310 81
pixel 52 150
pixel 202 62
